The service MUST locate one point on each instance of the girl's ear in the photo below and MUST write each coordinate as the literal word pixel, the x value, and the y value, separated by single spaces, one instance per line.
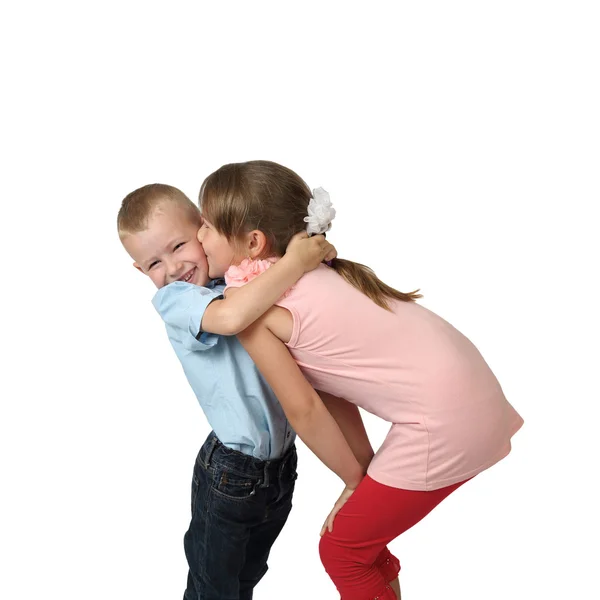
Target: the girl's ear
pixel 256 244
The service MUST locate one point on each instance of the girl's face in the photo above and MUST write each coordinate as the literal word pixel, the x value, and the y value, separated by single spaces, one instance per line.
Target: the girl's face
pixel 220 252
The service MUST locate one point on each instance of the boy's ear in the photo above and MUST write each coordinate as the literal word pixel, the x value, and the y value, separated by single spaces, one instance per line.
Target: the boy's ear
pixel 138 268
pixel 256 243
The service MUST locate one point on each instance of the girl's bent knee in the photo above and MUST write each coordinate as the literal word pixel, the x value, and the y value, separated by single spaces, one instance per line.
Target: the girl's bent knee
pixel 328 551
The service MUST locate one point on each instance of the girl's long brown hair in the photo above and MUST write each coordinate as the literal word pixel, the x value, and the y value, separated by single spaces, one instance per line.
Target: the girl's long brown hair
pixel 263 195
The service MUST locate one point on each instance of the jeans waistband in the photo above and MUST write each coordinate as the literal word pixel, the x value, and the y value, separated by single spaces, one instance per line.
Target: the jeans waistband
pixel 214 451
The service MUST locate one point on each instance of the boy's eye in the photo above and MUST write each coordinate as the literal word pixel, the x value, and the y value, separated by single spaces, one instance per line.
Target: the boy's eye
pixel 178 245
pixel 153 264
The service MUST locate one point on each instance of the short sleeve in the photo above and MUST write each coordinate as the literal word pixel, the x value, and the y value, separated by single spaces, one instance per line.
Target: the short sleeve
pixel 181 306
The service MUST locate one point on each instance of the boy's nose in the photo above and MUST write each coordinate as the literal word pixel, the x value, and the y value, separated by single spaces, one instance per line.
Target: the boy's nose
pixel 174 270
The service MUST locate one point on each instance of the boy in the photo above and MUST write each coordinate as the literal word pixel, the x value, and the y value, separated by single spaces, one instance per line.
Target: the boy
pixel 244 473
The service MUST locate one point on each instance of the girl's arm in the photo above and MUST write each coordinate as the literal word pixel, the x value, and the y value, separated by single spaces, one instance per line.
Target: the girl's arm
pixel 350 422
pixel 249 302
pixel 304 409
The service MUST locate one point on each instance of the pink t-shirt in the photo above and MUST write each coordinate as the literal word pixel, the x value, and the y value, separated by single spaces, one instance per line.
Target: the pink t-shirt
pixel 449 417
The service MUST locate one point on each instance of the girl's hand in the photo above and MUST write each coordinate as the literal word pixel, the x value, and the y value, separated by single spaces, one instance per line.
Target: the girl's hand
pixel 310 252
pixel 328 525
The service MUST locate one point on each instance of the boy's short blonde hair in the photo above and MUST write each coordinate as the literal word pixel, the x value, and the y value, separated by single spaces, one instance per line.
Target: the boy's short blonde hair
pixel 138 207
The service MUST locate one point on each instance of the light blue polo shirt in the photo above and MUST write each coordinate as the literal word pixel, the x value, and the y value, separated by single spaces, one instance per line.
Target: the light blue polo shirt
pixel 240 406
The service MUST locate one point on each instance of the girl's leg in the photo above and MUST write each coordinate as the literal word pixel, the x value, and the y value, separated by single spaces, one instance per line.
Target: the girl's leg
pixel 389 567
pixel 395 585
pixel 373 516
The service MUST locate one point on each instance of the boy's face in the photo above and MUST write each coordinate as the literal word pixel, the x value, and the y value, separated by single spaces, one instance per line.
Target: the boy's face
pixel 169 250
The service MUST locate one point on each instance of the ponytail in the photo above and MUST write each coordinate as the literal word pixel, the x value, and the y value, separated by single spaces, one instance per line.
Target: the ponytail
pixel 364 279
pixel 263 195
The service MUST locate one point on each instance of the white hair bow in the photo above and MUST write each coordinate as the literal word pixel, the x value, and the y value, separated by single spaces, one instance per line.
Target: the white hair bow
pixel 320 212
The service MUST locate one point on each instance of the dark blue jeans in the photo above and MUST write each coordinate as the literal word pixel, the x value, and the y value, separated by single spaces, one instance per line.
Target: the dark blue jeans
pixel 239 506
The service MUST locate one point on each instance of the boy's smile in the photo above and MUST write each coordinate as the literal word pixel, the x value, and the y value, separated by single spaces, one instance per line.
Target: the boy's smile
pixel 188 276
pixel 169 250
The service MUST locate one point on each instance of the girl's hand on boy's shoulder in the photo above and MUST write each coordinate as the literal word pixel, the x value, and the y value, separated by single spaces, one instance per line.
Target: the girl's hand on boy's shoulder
pixel 310 251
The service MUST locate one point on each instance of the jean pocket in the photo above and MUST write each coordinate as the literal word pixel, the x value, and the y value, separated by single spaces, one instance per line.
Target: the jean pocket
pixel 201 481
pixel 234 486
pixel 195 486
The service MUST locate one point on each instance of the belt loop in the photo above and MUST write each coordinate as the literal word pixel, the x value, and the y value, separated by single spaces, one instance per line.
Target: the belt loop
pixel 282 466
pixel 214 444
pixel 265 482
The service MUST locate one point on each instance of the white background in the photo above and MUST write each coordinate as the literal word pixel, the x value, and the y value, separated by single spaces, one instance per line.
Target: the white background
pixel 460 144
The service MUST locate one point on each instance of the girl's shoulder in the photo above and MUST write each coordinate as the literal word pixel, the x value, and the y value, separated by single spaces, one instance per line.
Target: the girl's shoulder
pixel 325 283
pixel 322 276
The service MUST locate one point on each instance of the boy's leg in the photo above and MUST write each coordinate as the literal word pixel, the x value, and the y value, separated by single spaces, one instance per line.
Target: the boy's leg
pixel 225 507
pixel 279 490
pixel 258 548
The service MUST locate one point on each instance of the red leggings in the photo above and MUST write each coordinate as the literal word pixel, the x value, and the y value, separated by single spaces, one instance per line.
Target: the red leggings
pixel 355 553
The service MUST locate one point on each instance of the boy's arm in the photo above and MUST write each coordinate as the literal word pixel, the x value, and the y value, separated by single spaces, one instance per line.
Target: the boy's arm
pixel 240 309
pixel 181 306
pixel 351 424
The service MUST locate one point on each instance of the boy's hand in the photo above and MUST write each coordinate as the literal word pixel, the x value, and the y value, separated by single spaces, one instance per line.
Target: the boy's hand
pixel 310 252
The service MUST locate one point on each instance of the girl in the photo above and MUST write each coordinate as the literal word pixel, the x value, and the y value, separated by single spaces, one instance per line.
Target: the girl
pixel 357 339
